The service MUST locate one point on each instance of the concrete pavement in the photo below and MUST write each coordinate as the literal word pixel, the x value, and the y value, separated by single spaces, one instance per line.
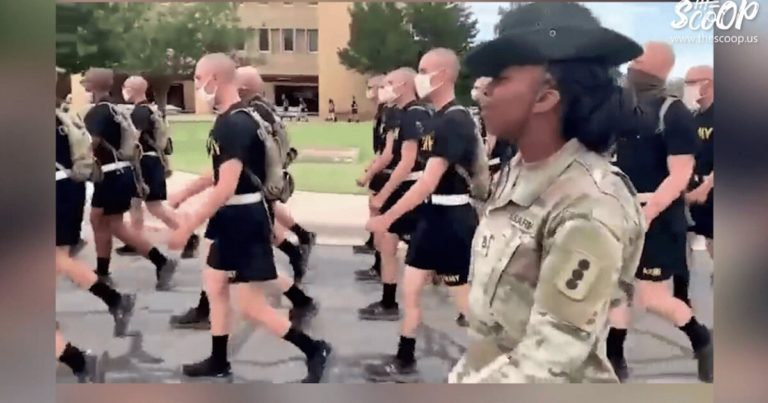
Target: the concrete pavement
pixel 656 351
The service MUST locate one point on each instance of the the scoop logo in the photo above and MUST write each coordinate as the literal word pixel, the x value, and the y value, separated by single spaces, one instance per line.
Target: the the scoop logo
pixel 703 14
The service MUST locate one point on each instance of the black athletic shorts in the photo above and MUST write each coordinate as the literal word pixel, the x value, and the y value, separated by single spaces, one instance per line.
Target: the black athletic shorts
pixel 70 201
pixel 703 216
pixel 664 253
pixel 242 243
pixel 153 171
pixel 404 226
pixel 378 181
pixel 442 241
pixel 114 193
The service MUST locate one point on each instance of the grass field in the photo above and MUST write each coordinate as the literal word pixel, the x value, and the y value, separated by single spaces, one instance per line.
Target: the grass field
pixel 190 156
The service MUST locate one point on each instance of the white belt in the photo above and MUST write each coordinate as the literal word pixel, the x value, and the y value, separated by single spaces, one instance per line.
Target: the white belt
pixel 449 200
pixel 152 153
pixel 115 166
pixel 61 175
pixel 414 176
pixel 495 161
pixel 248 198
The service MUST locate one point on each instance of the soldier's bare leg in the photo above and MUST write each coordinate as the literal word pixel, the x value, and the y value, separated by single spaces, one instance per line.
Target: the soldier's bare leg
pixel 136 216
pixel 165 268
pixel 163 213
pixel 102 238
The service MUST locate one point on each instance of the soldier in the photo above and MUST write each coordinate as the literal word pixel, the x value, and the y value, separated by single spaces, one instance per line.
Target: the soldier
pixel 657 152
pixel 354 116
pixel 241 252
pixel 562 224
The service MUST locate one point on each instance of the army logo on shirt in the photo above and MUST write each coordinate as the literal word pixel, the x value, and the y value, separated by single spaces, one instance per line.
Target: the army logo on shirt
pixel 212 146
pixel 705 133
pixel 427 142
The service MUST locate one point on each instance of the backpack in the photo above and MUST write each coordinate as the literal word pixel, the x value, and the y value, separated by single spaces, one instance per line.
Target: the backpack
pixel 479 179
pixel 278 184
pixel 129 150
pixel 84 166
pixel 161 139
pixel 279 134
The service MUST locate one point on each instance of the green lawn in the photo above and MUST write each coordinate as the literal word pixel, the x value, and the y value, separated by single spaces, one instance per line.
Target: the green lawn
pixel 190 156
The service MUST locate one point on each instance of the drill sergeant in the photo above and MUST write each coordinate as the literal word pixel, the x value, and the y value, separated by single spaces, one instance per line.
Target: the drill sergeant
pixel 656 150
pixel 399 91
pixel 562 222
pixel 240 256
pixel 441 241
pixel 112 196
pixel 152 168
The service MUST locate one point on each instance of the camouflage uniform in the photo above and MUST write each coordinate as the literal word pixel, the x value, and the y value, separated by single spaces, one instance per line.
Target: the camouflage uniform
pixel 557 247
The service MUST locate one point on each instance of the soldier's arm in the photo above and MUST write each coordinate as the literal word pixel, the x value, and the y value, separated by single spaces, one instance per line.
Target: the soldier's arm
pixel 409 133
pixel 571 302
pixel 382 160
pixel 681 142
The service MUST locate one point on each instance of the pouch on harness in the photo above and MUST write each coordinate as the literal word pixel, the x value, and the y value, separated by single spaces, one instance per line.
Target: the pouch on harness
pixel 479 179
pixel 278 131
pixel 129 150
pixel 160 140
pixel 278 184
pixel 84 165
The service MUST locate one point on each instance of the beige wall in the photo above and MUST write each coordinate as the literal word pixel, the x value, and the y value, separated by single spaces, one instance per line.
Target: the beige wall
pixel 78 93
pixel 189 96
pixel 335 80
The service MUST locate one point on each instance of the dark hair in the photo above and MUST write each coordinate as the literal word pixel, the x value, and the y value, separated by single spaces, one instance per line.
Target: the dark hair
pixel 591 101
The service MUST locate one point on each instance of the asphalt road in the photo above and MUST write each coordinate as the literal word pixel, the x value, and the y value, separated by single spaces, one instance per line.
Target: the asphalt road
pixel 656 351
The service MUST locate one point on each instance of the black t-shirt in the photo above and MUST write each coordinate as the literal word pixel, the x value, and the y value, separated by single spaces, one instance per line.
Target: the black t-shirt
pixel 234 136
pixel 63 152
pixel 450 135
pixel 101 124
pixel 642 153
pixel 410 127
pixel 142 119
pixel 705 158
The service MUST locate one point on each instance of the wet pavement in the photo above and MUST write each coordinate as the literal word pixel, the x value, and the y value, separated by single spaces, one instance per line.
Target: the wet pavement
pixel 154 352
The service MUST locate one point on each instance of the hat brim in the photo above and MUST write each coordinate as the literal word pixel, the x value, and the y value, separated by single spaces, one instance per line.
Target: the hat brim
pixel 542 45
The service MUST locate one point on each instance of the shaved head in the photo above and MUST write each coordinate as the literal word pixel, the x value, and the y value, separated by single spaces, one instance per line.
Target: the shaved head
pixel 700 73
pixel 98 79
pixel 376 80
pixel 249 82
pixel 658 59
pixel 136 83
pixel 403 74
pixel 218 65
pixel 442 58
pixel 401 82
pixel 701 80
pixel 215 81
pixel 372 88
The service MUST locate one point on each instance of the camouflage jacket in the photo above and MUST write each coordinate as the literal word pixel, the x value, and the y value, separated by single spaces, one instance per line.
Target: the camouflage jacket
pixel 557 246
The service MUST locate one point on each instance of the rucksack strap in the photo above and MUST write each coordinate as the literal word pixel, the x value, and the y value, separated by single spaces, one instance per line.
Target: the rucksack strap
pixel 662 113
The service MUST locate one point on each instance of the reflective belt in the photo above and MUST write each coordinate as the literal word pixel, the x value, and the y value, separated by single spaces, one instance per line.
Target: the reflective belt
pixel 414 176
pixel 115 166
pixel 449 200
pixel 61 175
pixel 495 161
pixel 248 198
pixel 152 153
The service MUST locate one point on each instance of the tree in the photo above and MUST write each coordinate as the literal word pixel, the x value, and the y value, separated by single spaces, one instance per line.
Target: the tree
pixel 385 36
pixel 80 41
pixel 379 40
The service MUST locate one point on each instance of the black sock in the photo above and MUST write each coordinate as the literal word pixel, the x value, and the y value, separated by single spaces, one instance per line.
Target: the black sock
pixel 369 242
pixel 697 333
pixel 615 343
pixel 102 266
pixel 301 233
pixel 302 341
pixel 406 350
pixel 290 250
pixel 203 309
pixel 157 258
pixel 106 293
pixel 219 349
pixel 680 284
pixel 73 358
pixel 388 295
pixel 297 297
pixel 377 263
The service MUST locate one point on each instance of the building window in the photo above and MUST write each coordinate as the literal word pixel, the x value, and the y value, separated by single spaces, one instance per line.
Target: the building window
pixel 300 40
pixel 288 3
pixel 263 40
pixel 312 3
pixel 288 37
pixel 263 3
pixel 312 40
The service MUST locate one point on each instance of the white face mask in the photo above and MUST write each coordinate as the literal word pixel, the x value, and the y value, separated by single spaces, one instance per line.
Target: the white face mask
pixel 369 93
pixel 126 95
pixel 691 95
pixel 89 97
pixel 387 94
pixel 423 84
pixel 209 99
pixel 474 93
